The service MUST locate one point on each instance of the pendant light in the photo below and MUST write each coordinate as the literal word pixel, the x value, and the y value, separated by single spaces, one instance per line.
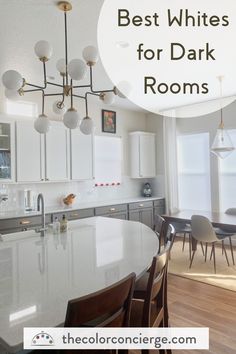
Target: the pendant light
pixel 222 145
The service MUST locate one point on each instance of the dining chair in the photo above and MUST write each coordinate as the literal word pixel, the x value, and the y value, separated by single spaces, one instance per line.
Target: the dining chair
pixel 149 304
pixel 228 231
pixel 109 307
pixel 158 227
pixel 184 229
pixel 203 231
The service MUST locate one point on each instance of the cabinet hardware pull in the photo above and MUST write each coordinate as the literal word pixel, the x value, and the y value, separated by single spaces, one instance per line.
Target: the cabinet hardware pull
pixel 25 222
pixel 141 205
pixel 75 214
pixel 112 209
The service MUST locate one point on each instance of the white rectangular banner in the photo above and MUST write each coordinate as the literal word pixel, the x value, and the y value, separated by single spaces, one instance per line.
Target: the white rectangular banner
pixel 116 338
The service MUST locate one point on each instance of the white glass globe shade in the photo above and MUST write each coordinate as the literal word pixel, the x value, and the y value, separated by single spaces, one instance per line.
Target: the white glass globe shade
pixel 87 126
pixel 43 50
pixel 12 80
pixel 108 97
pixel 61 66
pixel 42 124
pixel 12 95
pixel 90 55
pixel 71 119
pixel 123 89
pixel 59 108
pixel 77 69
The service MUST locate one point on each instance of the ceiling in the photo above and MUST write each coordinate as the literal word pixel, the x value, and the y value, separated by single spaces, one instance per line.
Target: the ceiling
pixel 24 22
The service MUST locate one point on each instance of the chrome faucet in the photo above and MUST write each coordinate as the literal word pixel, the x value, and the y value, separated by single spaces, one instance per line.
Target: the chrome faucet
pixel 40 200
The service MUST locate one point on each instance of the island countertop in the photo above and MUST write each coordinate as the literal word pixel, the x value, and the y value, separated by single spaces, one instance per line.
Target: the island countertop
pixel 42 273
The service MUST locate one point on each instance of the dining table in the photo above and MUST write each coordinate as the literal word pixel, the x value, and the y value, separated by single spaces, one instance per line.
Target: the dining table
pixel 39 275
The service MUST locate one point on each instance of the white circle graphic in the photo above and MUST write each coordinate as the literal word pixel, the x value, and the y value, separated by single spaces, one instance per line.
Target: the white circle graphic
pixel 170 51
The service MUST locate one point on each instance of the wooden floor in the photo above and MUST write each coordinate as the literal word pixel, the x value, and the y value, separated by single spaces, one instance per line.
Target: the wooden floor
pixel 195 304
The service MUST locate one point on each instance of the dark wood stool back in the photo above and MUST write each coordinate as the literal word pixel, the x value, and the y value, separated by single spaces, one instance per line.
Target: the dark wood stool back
pixel 109 307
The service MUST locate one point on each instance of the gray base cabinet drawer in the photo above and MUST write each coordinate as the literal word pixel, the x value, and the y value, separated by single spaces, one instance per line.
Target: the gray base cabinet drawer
pixel 74 214
pixel 159 203
pixel 141 205
pixel 23 223
pixel 110 209
pixel 145 216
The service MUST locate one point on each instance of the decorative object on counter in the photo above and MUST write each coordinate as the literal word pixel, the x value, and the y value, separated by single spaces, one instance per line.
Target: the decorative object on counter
pixel 69 200
pixel 29 199
pixel 70 71
pixel 147 190
pixel 63 224
pixel 108 121
pixel 3 197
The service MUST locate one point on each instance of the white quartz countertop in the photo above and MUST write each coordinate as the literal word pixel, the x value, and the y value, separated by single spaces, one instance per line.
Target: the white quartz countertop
pixel 83 205
pixel 42 273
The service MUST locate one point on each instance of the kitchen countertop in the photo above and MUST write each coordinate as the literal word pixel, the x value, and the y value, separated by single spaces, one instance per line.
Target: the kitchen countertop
pixel 83 205
pixel 43 273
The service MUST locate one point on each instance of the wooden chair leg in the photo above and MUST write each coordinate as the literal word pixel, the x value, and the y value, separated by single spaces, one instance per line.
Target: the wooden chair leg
pixel 231 249
pixel 190 246
pixel 206 252
pixel 184 241
pixel 211 253
pixel 191 261
pixel 226 256
pixel 214 256
pixel 222 247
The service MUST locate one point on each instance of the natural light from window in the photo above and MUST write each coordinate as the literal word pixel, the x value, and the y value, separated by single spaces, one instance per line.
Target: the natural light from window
pixel 25 109
pixel 227 178
pixel 194 171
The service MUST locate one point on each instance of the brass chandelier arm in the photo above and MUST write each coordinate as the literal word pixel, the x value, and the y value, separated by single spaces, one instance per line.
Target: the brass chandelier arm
pixel 53 84
pixel 43 102
pixel 86 101
pixel 91 84
pixel 37 86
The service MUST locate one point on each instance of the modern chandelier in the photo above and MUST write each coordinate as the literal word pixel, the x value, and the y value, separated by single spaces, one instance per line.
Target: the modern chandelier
pixel 222 145
pixel 71 72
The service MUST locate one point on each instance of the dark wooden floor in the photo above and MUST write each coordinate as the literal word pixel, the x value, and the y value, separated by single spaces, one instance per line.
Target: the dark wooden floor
pixel 195 304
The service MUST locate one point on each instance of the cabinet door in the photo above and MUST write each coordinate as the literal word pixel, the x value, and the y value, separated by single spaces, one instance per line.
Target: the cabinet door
pixel 134 215
pixel 146 217
pixel 56 152
pixel 7 151
pixel 28 153
pixel 147 148
pixel 81 147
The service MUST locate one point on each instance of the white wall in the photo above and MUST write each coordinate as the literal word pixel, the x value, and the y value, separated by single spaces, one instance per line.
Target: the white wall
pixel 126 121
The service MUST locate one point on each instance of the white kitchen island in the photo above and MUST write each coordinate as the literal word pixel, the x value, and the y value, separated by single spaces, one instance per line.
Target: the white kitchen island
pixel 38 275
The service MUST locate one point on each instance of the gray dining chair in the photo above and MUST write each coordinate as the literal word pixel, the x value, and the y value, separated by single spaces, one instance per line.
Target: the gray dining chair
pixel 228 231
pixel 203 231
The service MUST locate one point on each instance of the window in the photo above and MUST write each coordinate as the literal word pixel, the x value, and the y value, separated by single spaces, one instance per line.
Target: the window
pixel 26 109
pixel 108 160
pixel 227 178
pixel 194 171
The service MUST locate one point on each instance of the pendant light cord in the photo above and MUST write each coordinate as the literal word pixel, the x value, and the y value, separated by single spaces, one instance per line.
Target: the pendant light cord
pixel 220 78
pixel 66 47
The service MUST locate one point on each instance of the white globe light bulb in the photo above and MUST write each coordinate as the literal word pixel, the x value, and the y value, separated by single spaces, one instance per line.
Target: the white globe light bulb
pixel 61 66
pixel 12 95
pixel 71 119
pixel 90 55
pixel 59 108
pixel 12 80
pixel 87 126
pixel 43 50
pixel 107 97
pixel 42 124
pixel 123 89
pixel 77 69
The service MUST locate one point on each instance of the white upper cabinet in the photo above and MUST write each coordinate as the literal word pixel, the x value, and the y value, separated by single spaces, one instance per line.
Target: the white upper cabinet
pixel 142 155
pixel 82 153
pixel 7 150
pixel 56 153
pixel 29 154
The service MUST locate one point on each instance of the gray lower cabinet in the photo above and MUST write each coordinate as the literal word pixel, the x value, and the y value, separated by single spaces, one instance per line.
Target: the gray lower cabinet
pixel 142 212
pixel 113 211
